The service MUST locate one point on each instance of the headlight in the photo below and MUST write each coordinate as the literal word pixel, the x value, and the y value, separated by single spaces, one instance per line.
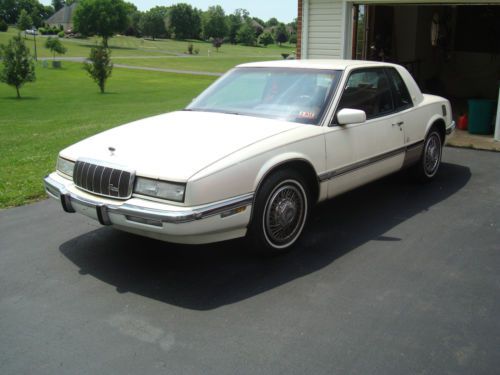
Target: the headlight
pixel 160 189
pixel 65 167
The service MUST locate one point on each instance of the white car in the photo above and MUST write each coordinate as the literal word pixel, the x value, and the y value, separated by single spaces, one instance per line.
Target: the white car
pixel 254 152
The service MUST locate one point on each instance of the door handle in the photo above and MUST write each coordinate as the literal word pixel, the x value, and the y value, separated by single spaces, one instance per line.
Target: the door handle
pixel 398 123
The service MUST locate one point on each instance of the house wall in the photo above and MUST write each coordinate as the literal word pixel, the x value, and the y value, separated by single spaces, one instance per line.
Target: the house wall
pixel 322 26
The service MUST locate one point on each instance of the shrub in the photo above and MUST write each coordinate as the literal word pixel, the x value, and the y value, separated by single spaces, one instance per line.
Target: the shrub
pixel 266 38
pixel 42 31
pixel 246 34
pixel 196 51
pixel 99 66
pixel 217 43
pixel 18 65
pixel 55 46
pixel 60 34
pixel 3 25
pixel 190 48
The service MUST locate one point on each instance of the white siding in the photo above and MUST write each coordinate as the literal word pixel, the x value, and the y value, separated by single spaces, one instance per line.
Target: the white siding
pixel 325 34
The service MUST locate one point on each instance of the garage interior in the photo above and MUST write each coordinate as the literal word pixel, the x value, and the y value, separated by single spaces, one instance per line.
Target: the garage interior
pixel 451 50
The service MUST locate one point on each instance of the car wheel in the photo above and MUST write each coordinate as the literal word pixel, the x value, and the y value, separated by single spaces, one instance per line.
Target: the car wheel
pixel 280 212
pixel 429 162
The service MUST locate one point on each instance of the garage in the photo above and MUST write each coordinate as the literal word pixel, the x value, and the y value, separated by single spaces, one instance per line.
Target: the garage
pixel 451 48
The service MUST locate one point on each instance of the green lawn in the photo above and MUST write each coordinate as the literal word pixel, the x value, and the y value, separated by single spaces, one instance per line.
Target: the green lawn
pixel 64 106
pixel 123 46
pixel 218 64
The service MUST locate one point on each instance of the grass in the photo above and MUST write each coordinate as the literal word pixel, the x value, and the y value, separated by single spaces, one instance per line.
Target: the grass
pixel 207 64
pixel 123 46
pixel 64 106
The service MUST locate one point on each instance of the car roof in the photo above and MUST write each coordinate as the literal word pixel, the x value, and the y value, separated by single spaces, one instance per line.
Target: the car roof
pixel 314 64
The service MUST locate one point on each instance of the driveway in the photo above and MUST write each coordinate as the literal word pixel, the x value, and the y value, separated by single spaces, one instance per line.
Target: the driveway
pixel 393 278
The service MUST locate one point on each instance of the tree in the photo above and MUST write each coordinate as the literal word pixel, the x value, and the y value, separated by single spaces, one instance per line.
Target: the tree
pixel 3 25
pixel 133 19
pixel 55 46
pixel 183 21
pixel 214 23
pixel 10 10
pixel 265 39
pixel 18 65
pixel 57 4
pixel 272 22
pixel 293 34
pixel 152 22
pixel 246 34
pixel 99 65
pixel 281 33
pixel 24 21
pixel 217 43
pixel 100 17
pixel 257 27
pixel 234 22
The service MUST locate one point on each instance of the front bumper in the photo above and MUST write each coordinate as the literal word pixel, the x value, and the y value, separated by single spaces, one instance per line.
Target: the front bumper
pixel 201 224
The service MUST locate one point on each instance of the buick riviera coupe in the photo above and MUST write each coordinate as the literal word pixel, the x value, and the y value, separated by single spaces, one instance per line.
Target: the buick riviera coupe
pixel 255 151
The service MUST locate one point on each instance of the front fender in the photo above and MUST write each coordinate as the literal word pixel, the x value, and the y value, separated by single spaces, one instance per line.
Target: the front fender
pixel 279 160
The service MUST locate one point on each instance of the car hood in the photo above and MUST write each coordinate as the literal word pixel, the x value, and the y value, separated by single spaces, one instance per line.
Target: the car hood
pixel 177 145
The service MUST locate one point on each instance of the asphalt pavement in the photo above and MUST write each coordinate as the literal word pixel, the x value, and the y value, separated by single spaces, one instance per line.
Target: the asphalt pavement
pixel 392 278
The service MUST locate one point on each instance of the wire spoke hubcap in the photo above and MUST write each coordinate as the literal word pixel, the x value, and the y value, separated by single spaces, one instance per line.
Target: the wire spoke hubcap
pixel 284 214
pixel 432 155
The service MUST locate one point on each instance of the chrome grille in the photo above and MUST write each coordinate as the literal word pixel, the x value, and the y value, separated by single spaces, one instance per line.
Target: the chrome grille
pixel 103 179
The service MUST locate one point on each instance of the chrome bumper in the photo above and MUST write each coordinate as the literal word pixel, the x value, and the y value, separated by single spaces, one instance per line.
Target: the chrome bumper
pixel 58 191
pixel 451 128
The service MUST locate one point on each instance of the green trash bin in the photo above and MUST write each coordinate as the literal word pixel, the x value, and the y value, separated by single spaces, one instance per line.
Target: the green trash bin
pixel 481 112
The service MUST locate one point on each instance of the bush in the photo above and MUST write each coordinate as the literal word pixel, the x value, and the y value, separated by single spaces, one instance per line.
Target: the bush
pixel 266 38
pixel 246 34
pixel 99 66
pixel 42 31
pixel 60 34
pixel 217 43
pixel 3 25
pixel 55 46
pixel 18 65
pixel 196 51
pixel 190 48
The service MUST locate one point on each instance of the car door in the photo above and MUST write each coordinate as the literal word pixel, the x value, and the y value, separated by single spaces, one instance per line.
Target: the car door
pixel 409 117
pixel 359 153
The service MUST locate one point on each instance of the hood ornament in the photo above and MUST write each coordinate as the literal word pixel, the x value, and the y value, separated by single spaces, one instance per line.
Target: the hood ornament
pixel 112 150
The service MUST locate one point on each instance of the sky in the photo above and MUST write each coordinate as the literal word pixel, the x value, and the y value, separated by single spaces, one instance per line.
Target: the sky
pixel 283 10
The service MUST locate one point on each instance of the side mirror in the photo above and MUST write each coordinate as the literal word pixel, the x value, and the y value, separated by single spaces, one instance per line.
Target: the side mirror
pixel 348 116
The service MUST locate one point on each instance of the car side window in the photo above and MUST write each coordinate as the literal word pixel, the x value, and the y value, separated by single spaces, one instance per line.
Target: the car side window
pixel 402 98
pixel 368 90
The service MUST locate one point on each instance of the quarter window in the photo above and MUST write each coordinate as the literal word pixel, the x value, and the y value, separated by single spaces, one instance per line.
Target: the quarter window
pixel 402 98
pixel 368 90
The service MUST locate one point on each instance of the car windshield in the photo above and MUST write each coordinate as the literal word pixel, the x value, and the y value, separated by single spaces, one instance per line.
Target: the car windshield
pixel 297 95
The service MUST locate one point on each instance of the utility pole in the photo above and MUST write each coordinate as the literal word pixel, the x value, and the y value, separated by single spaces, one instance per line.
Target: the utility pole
pixel 34 41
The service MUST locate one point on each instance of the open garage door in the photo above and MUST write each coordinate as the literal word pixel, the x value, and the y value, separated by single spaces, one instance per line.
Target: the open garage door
pixel 451 50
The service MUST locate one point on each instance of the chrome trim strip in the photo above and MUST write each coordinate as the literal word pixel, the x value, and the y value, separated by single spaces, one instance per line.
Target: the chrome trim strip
pixel 187 214
pixel 451 129
pixel 364 163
